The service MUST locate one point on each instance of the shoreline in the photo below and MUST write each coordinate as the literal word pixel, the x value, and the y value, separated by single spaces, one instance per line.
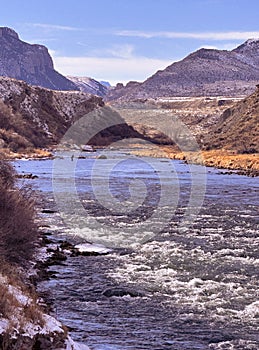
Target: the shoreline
pixel 243 164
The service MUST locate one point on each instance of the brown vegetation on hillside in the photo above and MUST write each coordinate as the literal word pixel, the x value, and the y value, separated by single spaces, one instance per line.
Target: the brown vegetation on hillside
pixel 33 117
pixel 245 163
pixel 237 128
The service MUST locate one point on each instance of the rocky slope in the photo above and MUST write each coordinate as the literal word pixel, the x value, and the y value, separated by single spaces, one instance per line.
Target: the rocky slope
pixel 31 63
pixel 33 117
pixel 36 117
pixel 206 72
pixel 89 85
pixel 237 128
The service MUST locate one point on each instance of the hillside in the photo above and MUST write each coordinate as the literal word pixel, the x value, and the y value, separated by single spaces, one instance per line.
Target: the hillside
pixel 237 128
pixel 30 63
pixel 33 117
pixel 36 117
pixel 89 85
pixel 206 72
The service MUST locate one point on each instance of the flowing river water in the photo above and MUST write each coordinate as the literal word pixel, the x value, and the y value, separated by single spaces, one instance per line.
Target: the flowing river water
pixel 178 289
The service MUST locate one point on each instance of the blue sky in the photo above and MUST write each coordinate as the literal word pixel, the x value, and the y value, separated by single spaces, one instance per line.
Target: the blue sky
pixel 122 40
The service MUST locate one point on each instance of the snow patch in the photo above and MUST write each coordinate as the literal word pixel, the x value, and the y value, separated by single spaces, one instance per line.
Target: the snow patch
pixel 71 345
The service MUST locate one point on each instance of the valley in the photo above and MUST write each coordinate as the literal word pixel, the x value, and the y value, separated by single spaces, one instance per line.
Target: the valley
pixel 156 182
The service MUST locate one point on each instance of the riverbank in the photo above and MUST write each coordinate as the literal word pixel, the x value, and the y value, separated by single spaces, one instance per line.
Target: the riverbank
pixel 31 154
pixel 245 164
pixel 25 322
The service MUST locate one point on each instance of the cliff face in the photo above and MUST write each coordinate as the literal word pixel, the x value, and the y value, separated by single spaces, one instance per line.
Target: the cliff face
pixel 238 127
pixel 205 72
pixel 31 63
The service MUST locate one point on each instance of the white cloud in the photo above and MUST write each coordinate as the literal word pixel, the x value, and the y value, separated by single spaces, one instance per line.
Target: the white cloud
pixel 53 26
pixel 187 35
pixel 122 51
pixel 117 50
pixel 110 69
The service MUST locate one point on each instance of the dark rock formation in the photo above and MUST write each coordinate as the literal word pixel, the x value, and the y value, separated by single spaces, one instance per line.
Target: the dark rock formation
pixel 122 291
pixel 31 63
pixel 120 90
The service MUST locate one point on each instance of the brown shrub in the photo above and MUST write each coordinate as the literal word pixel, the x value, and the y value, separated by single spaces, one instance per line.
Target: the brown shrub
pixel 18 231
pixel 7 302
pixel 6 116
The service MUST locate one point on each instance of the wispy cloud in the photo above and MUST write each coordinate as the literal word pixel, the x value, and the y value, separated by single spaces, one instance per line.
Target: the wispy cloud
pixel 53 27
pixel 122 51
pixel 189 35
pixel 40 40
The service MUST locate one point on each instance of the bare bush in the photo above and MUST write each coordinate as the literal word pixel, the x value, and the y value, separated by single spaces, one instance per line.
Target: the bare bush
pixel 18 231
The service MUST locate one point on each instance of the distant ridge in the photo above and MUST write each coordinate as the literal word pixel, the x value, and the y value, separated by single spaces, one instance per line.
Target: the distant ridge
pixel 30 63
pixel 90 85
pixel 206 72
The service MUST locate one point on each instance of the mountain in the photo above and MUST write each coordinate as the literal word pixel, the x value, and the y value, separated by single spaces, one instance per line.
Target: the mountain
pixel 30 63
pixel 238 127
pixel 206 72
pixel 90 85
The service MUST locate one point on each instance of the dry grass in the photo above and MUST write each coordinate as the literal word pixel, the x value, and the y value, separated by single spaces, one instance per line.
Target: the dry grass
pixel 8 302
pixel 214 158
pixel 18 231
pixel 18 236
pixel 19 312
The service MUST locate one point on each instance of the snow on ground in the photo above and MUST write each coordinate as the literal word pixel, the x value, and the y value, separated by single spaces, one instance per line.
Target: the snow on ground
pixel 19 324
pixel 3 325
pixel 71 345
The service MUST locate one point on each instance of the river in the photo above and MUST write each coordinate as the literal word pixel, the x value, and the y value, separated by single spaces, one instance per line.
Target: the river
pixel 191 266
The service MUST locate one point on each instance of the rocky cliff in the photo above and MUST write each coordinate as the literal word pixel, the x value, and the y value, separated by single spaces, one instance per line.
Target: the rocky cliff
pixel 31 63
pixel 206 72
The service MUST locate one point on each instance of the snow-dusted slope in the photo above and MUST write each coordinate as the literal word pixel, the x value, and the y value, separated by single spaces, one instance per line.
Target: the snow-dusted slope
pixel 90 85
pixel 39 115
